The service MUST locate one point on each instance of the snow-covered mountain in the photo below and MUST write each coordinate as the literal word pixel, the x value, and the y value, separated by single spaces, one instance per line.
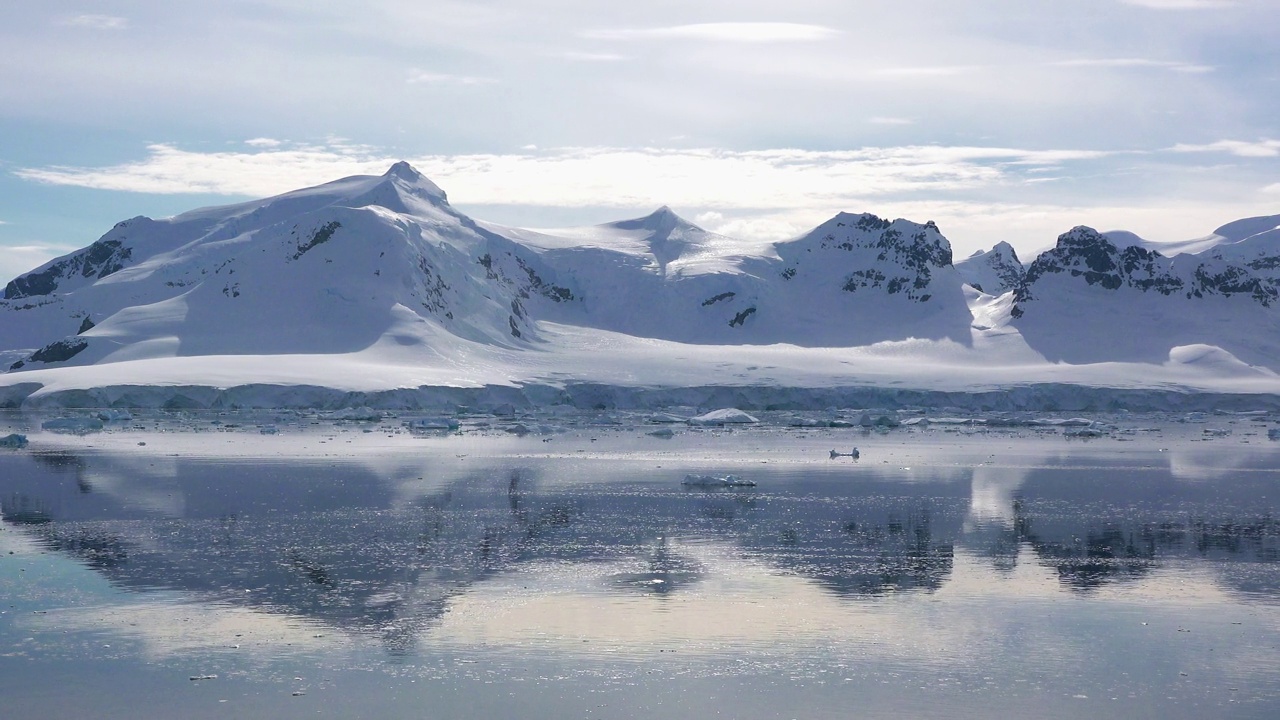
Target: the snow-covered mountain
pixel 995 271
pixel 1087 300
pixel 377 283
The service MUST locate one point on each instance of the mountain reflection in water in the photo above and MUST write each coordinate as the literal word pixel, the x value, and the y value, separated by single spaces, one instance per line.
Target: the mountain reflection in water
pixel 344 544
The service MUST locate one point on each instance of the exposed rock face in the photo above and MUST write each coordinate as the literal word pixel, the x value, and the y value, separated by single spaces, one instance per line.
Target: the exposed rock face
pixel 1088 255
pixel 99 260
pixel 894 257
pixel 995 271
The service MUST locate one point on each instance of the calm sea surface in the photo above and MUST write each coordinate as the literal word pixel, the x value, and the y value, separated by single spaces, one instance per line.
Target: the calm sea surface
pixel 199 567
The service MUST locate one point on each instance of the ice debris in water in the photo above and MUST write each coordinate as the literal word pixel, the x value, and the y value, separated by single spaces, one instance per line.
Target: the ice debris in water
pixel 666 418
pixel 665 432
pixel 1273 434
pixel 726 416
pixel 361 414
pixel 878 420
pixel 114 415
pixel 717 481
pixel 432 423
pixel 851 454
pixel 76 425
pixel 13 441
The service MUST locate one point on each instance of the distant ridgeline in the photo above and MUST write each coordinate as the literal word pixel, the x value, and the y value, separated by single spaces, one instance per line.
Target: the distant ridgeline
pixel 385 262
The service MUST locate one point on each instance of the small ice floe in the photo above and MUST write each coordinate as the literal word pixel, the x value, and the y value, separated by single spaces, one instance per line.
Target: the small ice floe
pixel 1273 434
pixel 851 454
pixel 665 419
pixel 1060 422
pixel 360 414
pixel 726 416
pixel 13 441
pixel 716 481
pixel 74 425
pixel 1216 432
pixel 665 432
pixel 204 677
pixel 1084 432
pixel 875 419
pixel 805 422
pixel 432 423
pixel 114 415
pixel 268 430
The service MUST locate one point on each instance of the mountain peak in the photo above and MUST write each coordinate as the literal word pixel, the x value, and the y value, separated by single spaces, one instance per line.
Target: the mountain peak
pixel 403 179
pixel 660 222
pixel 404 171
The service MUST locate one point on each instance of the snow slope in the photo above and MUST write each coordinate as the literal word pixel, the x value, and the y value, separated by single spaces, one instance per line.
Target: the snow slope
pixel 375 284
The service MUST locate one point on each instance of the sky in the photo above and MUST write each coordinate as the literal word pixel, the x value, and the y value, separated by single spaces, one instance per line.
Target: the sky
pixel 1001 120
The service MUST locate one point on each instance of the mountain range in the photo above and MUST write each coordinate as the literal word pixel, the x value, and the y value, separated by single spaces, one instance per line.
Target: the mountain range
pixel 377 284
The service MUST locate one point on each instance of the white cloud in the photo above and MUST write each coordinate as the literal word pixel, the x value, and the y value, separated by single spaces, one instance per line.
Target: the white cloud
pixel 97 22
pixel 18 259
pixel 928 71
pixel 263 142
pixel 582 177
pixel 1180 4
pixel 419 77
pixel 1242 148
pixel 749 32
pixel 589 56
pixel 1136 63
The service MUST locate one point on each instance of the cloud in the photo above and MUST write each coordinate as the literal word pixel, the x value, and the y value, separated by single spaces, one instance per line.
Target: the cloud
pixel 582 177
pixel 588 56
pixel 18 259
pixel 748 32
pixel 928 71
pixel 97 22
pixel 263 142
pixel 1136 63
pixel 890 121
pixel 419 77
pixel 1180 4
pixel 1264 148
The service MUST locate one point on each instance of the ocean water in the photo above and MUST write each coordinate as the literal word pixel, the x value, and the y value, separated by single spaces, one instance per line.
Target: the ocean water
pixel 288 565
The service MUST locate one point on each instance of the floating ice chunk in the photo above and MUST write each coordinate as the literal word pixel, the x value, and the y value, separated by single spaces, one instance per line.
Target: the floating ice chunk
pixel 1217 432
pixel 75 425
pixel 360 414
pixel 13 442
pixel 268 430
pixel 503 410
pixel 432 423
pixel 665 418
pixel 878 420
pixel 114 415
pixel 716 481
pixel 726 416
pixel 851 454
pixel 1057 422
pixel 1273 434
pixel 1084 432
pixel 665 432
